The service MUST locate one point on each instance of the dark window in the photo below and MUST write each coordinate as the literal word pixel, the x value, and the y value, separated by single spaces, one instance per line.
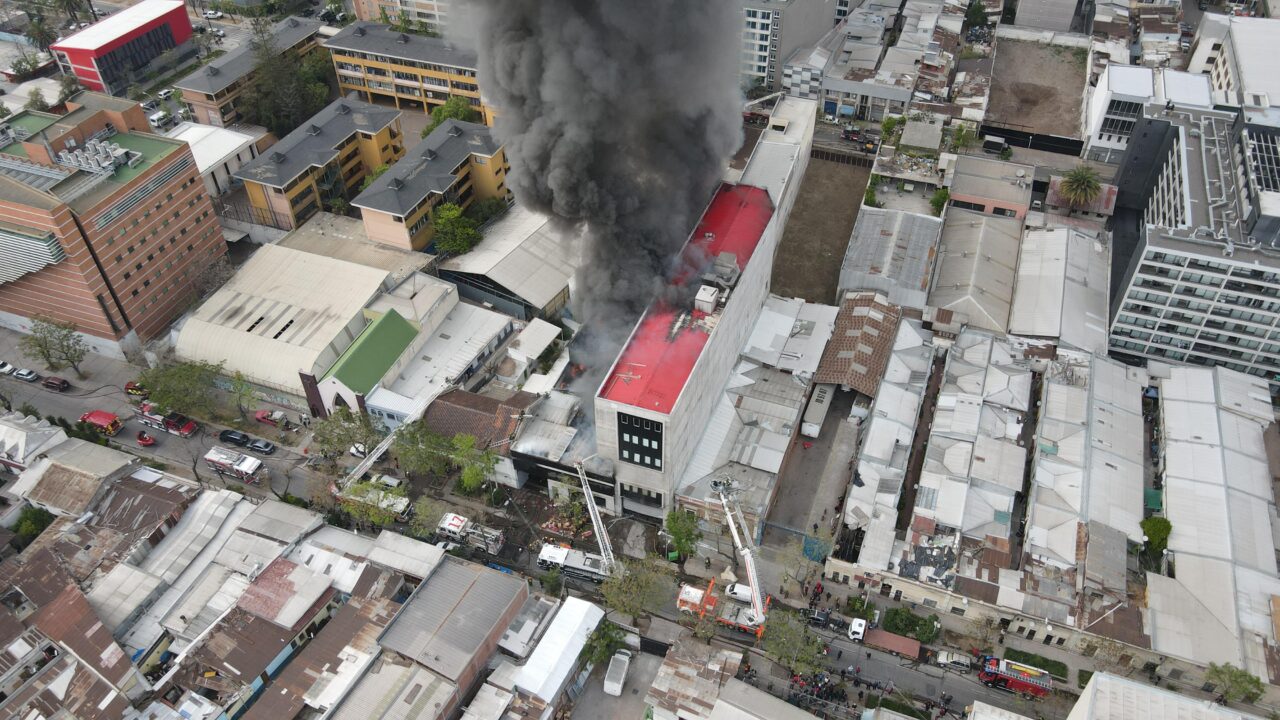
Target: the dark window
pixel 968 205
pixel 640 441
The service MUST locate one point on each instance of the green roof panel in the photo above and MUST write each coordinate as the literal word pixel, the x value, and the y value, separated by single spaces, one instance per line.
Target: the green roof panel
pixel 373 352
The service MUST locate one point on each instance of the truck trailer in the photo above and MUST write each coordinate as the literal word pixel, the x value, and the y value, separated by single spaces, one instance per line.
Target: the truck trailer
pixel 237 465
pixel 1015 677
pixel 460 529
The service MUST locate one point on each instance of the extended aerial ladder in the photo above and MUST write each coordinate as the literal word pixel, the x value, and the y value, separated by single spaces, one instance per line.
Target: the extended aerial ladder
pixel 602 534
pixel 733 516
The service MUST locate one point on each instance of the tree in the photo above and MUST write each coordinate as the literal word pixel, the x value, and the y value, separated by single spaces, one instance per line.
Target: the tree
pixel 1006 154
pixel 551 582
pixel 68 85
pixel 243 392
pixel 704 627
pixel 455 108
pixel 36 101
pixel 1234 684
pixel 137 93
pixel 342 430
pixel 962 137
pixel 975 15
pixel 420 450
pixel 482 211
pixel 427 512
pixel 70 8
pixel 456 233
pixel 638 587
pixel 1080 186
pixel 286 90
pixel 57 343
pixel 1157 530
pixel 939 200
pixel 5 111
pixel 31 522
pixel 185 387
pixel 603 642
pixel 791 643
pixel 371 507
pixel 40 33
pixel 682 526
pixel 374 175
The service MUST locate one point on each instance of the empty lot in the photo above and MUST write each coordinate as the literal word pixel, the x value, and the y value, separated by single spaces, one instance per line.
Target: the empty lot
pixel 808 260
pixel 1037 88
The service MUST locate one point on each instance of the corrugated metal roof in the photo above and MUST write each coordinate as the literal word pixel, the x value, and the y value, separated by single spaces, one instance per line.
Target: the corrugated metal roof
pixel 523 252
pixel 547 670
pixel 451 615
pixel 978 259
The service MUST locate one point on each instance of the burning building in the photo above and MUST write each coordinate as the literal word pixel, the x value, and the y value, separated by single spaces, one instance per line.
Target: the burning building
pixel 654 402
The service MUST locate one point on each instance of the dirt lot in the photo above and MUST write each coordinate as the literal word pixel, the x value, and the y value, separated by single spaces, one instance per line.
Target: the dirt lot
pixel 1037 88
pixel 808 261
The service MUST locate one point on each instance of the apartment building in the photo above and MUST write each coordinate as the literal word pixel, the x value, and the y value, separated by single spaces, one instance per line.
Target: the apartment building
pixel 411 72
pixel 1238 55
pixel 324 160
pixel 434 13
pixel 1122 91
pixel 106 225
pixel 212 93
pixel 774 29
pixel 459 163
pixel 1195 274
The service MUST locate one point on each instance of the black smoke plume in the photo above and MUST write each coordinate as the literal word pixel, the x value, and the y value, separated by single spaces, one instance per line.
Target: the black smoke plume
pixel 617 116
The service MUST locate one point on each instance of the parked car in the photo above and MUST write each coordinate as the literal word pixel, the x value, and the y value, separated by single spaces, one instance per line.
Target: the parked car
pixel 327 16
pixel 165 94
pixel 199 29
pixel 6 368
pixel 56 384
pixel 150 105
pixel 857 629
pixel 616 676
pixel 27 375
pixel 954 662
pixel 820 618
pixel 212 14
pixel 447 546
pixel 234 437
pixel 262 447
pixel 219 32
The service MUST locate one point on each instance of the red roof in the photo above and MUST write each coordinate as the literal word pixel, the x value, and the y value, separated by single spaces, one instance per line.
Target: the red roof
pixel 656 363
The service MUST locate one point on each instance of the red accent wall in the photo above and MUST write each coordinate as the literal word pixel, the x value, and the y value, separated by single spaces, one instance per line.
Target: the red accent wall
pixel 82 59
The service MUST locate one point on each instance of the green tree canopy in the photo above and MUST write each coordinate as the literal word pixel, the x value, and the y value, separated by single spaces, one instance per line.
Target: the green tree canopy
pixel 975 15
pixel 342 430
pixel 186 387
pixel 1234 684
pixel 36 101
pixel 68 85
pixel 939 200
pixel 790 642
pixel 427 512
pixel 1157 530
pixel 40 32
pixel 286 90
pixel 31 522
pixel 1081 186
pixel 638 587
pixel 455 108
pixel 57 343
pixel 420 450
pixel 366 502
pixel 456 233
pixel 242 392
pixel 682 526
pixel 603 642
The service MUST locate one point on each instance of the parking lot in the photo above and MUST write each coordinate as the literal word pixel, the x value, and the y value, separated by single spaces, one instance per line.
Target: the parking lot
pixel 594 704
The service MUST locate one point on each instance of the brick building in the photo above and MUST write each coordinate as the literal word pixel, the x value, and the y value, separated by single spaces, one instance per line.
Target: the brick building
pixel 102 223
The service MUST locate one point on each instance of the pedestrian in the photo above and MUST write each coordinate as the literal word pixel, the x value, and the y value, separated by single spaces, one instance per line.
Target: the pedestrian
pixel 815 527
pixel 868 654
pixel 861 694
pixel 857 670
pixel 839 654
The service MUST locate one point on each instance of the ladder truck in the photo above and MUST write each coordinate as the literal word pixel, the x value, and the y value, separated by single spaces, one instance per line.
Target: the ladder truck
pixel 744 618
pixel 576 563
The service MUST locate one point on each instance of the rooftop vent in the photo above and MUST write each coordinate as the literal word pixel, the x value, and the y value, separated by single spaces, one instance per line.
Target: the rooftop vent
pixel 402 38
pixel 211 70
pixel 342 109
pixel 293 22
pixel 396 183
pixel 429 154
pixel 455 130
pixel 359 31
pixel 313 129
pixel 277 157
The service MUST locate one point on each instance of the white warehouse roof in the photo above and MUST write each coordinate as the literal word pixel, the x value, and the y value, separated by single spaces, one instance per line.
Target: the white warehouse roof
pixel 211 146
pixel 522 252
pixel 1061 288
pixel 284 311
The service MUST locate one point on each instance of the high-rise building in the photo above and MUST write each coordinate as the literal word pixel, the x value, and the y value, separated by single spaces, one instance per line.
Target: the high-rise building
pixel 105 224
pixel 1196 264
pixel 772 30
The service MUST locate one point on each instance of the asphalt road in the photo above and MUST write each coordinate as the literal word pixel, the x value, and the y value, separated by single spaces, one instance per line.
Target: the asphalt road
pixel 181 455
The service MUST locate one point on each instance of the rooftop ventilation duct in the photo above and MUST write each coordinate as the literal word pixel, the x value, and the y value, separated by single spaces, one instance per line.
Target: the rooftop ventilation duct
pixel 358 32
pixel 402 38
pixel 277 157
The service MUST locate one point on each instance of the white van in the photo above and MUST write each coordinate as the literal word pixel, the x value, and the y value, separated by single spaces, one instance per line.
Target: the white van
pixel 616 676
pixel 160 119
pixel 388 480
pixel 741 593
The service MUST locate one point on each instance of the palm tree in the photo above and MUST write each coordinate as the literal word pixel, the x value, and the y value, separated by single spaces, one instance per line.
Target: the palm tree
pixel 39 32
pixel 70 8
pixel 1080 186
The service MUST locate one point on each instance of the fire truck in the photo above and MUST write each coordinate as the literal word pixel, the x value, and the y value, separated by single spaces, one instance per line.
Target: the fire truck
pixel 573 563
pixel 460 529
pixel 172 423
pixel 1014 677
pixel 237 465
pixel 104 422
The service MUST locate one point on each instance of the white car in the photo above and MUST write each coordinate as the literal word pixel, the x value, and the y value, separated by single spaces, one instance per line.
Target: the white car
pixel 857 628
pixel 616 676
pixel 741 593
pixel 212 14
pixel 165 94
pixel 6 368
pixel 219 32
pixel 27 375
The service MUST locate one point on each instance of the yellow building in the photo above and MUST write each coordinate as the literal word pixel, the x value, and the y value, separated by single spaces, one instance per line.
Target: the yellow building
pixel 412 72
pixel 459 163
pixel 212 93
pixel 324 160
